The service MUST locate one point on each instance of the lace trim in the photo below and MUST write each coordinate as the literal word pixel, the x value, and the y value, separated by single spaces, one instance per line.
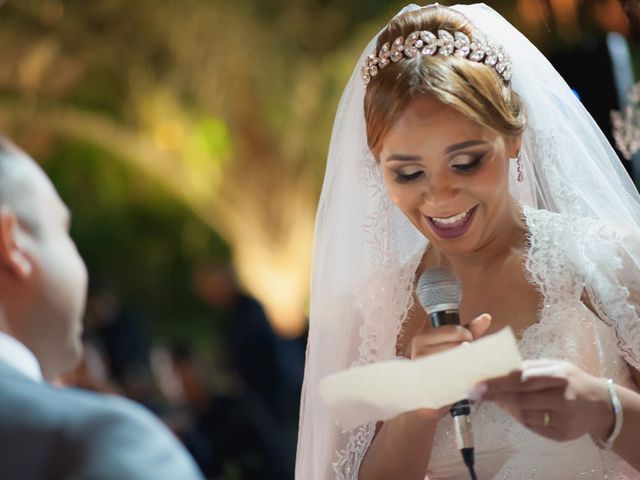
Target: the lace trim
pixel 384 306
pixel 348 461
pixel 609 296
pixel 553 276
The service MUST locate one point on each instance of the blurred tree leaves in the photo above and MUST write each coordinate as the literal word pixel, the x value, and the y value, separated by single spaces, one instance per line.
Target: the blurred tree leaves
pixel 135 237
pixel 225 107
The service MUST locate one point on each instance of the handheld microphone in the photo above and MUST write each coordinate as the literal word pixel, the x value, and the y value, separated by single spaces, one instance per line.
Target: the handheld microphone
pixel 439 293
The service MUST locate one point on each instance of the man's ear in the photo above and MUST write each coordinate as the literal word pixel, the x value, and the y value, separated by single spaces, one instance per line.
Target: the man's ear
pixel 12 256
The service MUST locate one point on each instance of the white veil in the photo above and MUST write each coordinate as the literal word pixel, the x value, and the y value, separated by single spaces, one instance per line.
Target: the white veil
pixel 366 252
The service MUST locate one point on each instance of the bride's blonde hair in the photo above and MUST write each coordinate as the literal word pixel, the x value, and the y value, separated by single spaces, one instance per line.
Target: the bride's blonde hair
pixel 474 89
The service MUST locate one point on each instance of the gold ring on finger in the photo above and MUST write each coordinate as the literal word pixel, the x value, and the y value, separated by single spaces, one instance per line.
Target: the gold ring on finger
pixel 546 419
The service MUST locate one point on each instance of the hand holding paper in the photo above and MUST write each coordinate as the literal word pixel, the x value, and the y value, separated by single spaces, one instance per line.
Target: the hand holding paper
pixel 383 390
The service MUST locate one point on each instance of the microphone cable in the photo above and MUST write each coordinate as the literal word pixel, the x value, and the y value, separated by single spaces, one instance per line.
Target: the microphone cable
pixel 460 412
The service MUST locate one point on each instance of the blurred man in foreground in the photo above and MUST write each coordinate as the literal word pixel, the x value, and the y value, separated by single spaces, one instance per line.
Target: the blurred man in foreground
pixel 47 432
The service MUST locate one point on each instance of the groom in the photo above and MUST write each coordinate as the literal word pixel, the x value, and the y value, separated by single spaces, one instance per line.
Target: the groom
pixel 47 432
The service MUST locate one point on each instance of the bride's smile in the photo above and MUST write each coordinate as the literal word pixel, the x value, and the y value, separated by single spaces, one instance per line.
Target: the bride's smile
pixel 452 226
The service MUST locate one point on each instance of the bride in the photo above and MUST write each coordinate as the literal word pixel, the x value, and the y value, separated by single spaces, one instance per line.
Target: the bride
pixel 458 145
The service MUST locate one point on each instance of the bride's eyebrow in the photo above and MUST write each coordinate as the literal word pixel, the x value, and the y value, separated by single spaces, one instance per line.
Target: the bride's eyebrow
pixel 450 149
pixel 403 158
pixel 459 146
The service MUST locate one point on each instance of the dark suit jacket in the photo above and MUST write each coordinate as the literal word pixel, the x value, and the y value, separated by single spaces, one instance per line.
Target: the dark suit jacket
pixel 51 433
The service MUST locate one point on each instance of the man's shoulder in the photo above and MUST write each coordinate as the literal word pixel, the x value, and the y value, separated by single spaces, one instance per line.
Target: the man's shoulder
pixel 32 396
pixel 94 435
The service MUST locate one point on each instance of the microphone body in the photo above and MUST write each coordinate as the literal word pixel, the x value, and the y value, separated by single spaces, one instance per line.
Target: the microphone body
pixel 461 410
pixel 440 292
pixel 444 317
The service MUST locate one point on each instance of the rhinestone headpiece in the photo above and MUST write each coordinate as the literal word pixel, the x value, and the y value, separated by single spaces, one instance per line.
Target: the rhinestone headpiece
pixel 477 49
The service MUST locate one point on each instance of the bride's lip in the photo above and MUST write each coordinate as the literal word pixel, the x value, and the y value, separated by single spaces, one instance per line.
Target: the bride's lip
pixel 455 230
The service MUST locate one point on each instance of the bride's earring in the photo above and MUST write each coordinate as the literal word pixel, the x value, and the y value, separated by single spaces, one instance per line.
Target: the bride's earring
pixel 518 160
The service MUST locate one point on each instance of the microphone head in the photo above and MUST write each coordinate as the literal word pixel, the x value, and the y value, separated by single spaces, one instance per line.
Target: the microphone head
pixel 439 290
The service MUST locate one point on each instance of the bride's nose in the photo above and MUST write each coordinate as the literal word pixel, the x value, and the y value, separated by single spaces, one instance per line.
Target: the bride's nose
pixel 441 189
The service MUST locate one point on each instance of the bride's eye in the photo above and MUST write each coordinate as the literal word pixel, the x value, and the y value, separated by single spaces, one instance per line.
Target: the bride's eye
pixel 408 177
pixel 473 163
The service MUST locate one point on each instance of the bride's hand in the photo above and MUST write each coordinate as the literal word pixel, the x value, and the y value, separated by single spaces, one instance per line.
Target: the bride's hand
pixel 554 398
pixel 434 340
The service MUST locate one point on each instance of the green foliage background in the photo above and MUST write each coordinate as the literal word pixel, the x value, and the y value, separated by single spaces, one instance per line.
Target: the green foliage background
pixel 187 130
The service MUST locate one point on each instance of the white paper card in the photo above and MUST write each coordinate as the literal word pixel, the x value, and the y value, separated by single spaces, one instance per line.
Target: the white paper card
pixel 385 389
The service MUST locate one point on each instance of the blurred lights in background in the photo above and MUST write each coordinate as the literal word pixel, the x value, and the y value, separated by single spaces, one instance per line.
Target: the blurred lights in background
pixel 565 15
pixel 233 126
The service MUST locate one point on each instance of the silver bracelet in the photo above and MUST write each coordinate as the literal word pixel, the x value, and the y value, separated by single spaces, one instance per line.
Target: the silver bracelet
pixel 616 406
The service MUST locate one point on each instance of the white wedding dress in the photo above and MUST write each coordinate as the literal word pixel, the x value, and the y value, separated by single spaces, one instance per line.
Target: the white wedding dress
pixel 566 329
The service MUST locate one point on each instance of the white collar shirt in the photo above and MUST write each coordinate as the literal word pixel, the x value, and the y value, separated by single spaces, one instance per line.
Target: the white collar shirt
pixel 19 357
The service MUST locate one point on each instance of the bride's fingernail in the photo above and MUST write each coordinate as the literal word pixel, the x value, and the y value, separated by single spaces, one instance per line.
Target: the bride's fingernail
pixel 569 393
pixel 477 392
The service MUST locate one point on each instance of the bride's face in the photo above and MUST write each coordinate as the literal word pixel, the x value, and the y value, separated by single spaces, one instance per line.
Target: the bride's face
pixel 448 175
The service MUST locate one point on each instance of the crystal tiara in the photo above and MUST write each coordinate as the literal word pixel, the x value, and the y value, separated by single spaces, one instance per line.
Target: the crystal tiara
pixel 477 49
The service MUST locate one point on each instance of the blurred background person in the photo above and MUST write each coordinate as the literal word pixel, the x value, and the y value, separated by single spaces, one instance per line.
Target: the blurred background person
pixel 256 356
pixel 121 334
pixel 250 344
pixel 229 433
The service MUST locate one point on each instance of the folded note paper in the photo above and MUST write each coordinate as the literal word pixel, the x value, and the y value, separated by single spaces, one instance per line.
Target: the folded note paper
pixel 385 389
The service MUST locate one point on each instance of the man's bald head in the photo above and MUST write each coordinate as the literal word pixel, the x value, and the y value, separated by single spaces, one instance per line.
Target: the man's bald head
pixel 21 179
